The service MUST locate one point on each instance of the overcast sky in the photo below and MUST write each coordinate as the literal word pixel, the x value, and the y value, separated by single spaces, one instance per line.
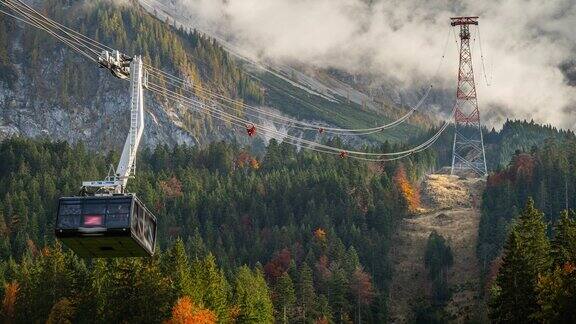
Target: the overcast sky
pixel 524 43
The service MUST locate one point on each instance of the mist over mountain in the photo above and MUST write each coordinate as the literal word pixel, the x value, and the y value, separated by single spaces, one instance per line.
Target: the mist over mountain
pixel 525 45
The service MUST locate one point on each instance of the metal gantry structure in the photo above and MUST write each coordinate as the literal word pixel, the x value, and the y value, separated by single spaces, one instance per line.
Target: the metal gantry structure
pixel 468 155
pixel 124 67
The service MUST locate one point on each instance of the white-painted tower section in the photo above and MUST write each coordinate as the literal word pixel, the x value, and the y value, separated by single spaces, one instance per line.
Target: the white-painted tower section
pixel 127 165
pixel 116 183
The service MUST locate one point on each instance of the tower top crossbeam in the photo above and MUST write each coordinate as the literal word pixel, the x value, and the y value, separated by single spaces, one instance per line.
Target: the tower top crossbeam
pixel 459 21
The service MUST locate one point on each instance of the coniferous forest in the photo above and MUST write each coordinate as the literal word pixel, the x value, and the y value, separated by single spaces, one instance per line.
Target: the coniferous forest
pixel 286 235
pixel 267 234
pixel 527 238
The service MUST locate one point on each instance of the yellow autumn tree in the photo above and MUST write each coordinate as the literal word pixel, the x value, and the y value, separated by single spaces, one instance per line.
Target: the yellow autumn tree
pixel 185 311
pixel 410 194
pixel 9 301
pixel 320 234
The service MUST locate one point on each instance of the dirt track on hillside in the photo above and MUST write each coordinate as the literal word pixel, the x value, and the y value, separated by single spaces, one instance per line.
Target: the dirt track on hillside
pixel 450 208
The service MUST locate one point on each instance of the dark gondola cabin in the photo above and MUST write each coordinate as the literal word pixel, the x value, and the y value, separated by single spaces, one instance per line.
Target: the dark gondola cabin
pixel 106 226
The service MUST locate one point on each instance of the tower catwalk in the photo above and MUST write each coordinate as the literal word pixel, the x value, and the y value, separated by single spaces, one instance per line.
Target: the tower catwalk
pixel 468 155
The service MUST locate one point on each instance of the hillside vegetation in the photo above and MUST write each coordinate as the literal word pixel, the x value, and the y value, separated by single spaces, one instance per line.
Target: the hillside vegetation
pixel 317 228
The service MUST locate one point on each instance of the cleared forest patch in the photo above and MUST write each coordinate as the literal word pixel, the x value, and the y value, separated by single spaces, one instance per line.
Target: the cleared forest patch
pixel 450 209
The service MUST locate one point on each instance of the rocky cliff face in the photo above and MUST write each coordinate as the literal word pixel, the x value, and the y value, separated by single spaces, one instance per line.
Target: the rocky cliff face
pixel 57 94
pixel 101 121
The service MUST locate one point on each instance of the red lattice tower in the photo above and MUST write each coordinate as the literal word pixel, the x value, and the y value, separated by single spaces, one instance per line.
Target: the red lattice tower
pixel 468 156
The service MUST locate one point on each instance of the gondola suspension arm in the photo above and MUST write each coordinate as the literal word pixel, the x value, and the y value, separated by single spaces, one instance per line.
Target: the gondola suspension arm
pixel 124 67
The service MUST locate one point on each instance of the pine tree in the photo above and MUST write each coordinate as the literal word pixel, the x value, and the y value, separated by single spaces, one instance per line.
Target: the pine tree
pixel 362 289
pixel 557 295
pixel 338 291
pixel 62 312
pixel 557 289
pixel 526 257
pixel 251 296
pixel 216 289
pixel 564 243
pixel 176 267
pixel 285 296
pixel 306 293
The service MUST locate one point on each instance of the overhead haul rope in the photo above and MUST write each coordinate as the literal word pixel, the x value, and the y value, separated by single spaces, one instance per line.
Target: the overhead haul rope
pixel 482 58
pixel 176 96
pixel 296 141
pixel 75 40
pixel 79 40
pixel 180 84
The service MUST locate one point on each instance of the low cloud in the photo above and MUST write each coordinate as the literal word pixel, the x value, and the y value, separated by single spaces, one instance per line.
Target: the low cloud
pixel 525 42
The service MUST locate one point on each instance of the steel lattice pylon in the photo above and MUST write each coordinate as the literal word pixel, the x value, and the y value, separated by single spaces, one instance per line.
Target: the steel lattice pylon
pixel 468 149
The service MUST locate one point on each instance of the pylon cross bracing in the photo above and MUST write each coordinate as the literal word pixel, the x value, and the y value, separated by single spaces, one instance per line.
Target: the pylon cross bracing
pixel 468 155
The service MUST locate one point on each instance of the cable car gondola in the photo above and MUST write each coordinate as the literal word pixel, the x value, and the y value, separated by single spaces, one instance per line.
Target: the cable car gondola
pixel 106 226
pixel 104 220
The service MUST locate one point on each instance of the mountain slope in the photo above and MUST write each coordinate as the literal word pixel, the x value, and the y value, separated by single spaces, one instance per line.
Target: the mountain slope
pixel 48 91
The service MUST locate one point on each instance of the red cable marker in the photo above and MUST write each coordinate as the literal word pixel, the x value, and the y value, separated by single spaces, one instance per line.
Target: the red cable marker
pixel 251 130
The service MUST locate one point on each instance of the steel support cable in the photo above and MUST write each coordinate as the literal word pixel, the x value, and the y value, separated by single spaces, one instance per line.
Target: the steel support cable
pixel 78 36
pixel 305 125
pixel 316 126
pixel 43 23
pixel 309 126
pixel 64 40
pixel 292 122
pixel 295 123
pixel 298 142
pixel 202 108
pixel 37 22
pixel 248 122
pixel 482 57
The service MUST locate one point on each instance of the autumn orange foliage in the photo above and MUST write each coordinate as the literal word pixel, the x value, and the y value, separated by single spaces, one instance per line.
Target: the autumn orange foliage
pixel 9 302
pixel 244 159
pixel 278 265
pixel 411 195
pixel 569 268
pixel 321 320
pixel 185 311
pixel 320 234
pixel 361 287
pixel 172 187
pixel 521 167
pixel 254 164
pixel 234 313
